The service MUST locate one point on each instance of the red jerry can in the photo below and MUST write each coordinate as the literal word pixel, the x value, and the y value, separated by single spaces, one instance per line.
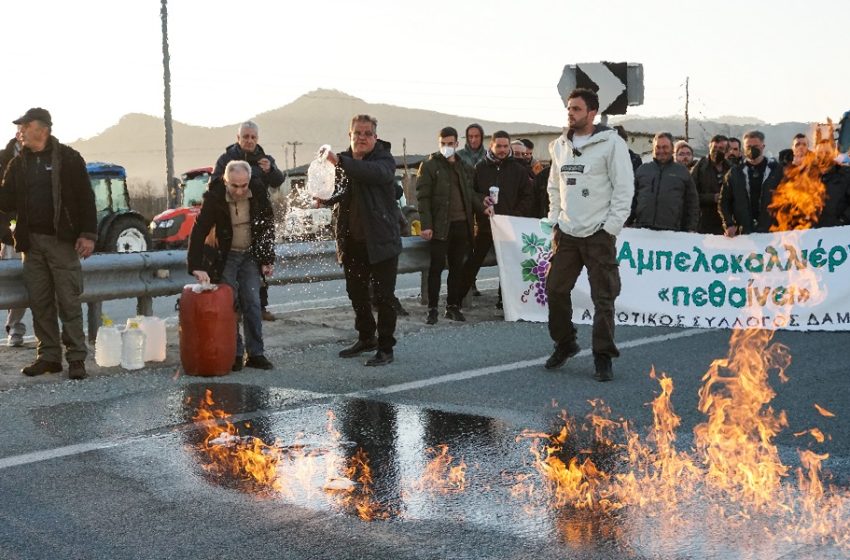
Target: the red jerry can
pixel 207 331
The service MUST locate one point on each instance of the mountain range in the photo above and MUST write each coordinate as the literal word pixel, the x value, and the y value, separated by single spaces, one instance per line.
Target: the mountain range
pixel 322 117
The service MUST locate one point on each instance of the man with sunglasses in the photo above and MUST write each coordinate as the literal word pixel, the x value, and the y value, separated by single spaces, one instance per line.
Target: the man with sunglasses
pixel 238 207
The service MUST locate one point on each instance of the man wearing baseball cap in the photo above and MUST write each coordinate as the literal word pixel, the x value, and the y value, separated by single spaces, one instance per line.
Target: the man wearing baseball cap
pixel 46 184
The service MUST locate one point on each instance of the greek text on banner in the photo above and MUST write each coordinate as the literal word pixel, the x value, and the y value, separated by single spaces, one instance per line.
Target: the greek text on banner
pixel 797 280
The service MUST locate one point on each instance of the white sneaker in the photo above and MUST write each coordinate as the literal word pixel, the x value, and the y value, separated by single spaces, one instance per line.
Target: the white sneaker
pixel 15 341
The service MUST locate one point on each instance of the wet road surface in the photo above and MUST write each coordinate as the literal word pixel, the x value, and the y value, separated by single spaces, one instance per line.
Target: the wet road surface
pixel 114 467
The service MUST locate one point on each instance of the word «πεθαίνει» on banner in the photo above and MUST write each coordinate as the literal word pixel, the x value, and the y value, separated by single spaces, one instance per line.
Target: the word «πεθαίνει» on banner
pixel 795 280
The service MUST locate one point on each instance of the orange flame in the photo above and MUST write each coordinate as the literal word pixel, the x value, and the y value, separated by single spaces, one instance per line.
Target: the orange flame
pixel 360 498
pixel 245 458
pixel 441 474
pixel 734 473
pixel 737 440
pixel 799 199
pixel 823 411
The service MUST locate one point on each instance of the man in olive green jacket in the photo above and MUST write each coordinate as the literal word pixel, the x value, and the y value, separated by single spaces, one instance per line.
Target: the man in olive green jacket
pixel 446 205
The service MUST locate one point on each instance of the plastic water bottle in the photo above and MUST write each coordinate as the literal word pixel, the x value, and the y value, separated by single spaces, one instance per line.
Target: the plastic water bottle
pixel 133 347
pixel 107 346
pixel 155 341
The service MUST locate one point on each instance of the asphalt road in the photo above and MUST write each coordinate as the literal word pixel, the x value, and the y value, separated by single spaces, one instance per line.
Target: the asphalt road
pixel 112 467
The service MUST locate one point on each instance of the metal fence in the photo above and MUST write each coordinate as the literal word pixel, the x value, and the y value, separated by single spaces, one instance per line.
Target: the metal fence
pixel 163 273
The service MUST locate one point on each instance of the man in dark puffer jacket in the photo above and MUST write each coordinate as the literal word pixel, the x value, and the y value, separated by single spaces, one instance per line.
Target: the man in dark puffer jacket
pixel 665 194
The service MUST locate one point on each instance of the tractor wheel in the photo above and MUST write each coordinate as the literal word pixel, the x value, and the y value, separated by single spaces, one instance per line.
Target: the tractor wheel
pixel 127 234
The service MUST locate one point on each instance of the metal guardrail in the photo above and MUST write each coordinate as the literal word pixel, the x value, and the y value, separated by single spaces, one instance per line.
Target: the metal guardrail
pixel 163 273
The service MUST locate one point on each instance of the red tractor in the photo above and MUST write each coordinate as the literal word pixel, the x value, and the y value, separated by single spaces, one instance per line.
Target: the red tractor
pixel 171 229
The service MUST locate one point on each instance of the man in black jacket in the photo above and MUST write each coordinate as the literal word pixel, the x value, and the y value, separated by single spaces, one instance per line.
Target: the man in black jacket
pixel 708 175
pixel 665 195
pixel 15 328
pixel 446 205
pixel 48 187
pixel 836 208
pixel 367 236
pixel 263 168
pixel 497 169
pixel 748 190
pixel 239 209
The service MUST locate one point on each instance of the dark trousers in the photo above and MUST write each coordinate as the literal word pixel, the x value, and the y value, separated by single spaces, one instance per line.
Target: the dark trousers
pixel 359 274
pixel 480 247
pixel 454 247
pixel 54 280
pixel 570 254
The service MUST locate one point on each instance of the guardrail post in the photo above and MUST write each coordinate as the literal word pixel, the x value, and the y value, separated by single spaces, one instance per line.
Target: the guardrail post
pixel 94 312
pixel 144 306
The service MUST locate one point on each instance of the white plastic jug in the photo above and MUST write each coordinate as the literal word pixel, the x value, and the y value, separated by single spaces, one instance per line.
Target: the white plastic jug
pixel 133 347
pixel 107 346
pixel 155 341
pixel 321 175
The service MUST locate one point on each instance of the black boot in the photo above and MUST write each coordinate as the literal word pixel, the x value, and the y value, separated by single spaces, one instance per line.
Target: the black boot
pixel 604 372
pixel 561 354
pixel 432 316
pixel 358 348
pixel 453 312
pixel 381 358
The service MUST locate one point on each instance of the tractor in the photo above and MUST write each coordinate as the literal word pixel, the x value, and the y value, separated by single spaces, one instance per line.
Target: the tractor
pixel 120 229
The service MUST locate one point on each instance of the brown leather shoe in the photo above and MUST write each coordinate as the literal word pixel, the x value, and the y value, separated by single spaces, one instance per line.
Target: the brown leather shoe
pixel 40 367
pixel 77 370
pixel 268 315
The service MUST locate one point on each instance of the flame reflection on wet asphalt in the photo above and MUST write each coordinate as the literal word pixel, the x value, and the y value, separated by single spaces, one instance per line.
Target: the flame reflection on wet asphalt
pixel 617 489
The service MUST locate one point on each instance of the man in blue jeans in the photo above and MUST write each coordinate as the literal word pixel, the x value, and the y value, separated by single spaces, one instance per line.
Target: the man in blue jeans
pixel 238 207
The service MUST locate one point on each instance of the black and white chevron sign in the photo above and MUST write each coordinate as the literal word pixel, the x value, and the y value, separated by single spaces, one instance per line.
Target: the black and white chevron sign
pixel 610 80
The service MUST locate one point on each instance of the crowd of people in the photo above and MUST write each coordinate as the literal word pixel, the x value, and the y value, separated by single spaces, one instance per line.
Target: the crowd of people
pixel 598 186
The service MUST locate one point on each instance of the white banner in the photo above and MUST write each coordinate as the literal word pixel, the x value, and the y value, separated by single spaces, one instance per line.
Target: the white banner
pixel 797 280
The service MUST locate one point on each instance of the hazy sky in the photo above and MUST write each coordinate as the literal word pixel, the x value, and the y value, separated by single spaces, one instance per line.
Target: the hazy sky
pixel 91 61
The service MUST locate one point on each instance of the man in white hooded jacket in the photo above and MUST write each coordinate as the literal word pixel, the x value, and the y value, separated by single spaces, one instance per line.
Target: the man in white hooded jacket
pixel 590 195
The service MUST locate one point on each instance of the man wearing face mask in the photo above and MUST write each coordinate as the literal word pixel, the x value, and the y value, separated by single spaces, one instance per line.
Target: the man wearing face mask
pixel 446 202
pixel 521 155
pixel 499 169
pixel 708 175
pixel 748 189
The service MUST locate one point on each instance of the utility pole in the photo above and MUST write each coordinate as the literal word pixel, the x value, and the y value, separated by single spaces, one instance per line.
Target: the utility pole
pixel 170 196
pixel 294 145
pixel 687 99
